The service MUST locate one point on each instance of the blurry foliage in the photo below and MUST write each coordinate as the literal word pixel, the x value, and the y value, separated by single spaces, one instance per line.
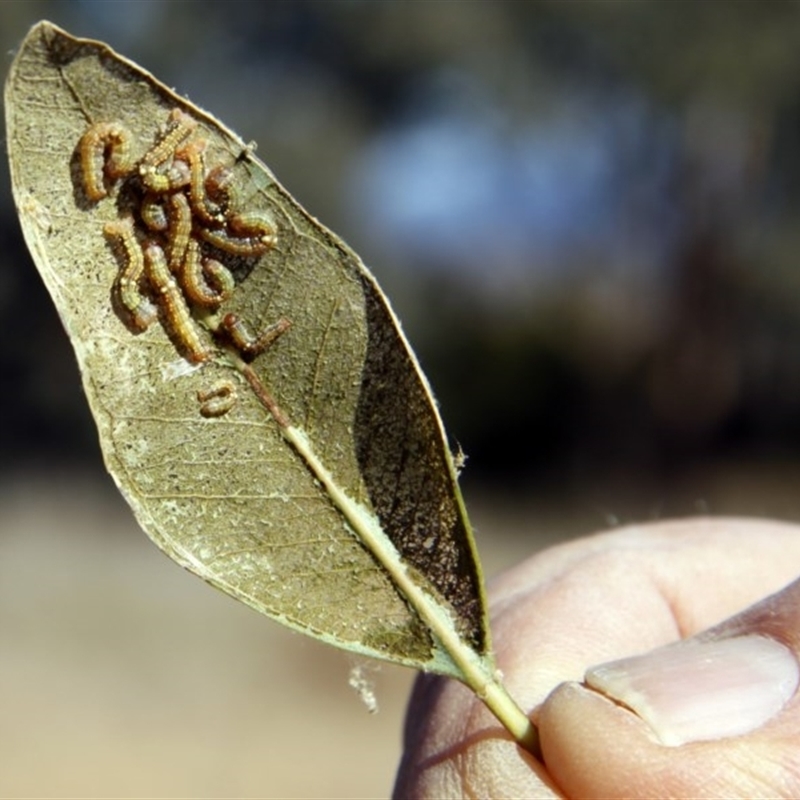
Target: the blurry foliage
pixel 652 319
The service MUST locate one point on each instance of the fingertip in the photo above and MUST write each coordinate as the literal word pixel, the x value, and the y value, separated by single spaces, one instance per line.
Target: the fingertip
pixel 579 731
pixel 595 748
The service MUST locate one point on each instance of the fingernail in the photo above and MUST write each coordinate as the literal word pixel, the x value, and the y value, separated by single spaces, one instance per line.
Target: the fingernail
pixel 697 690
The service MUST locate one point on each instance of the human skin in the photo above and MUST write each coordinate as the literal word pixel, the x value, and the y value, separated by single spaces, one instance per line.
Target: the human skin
pixel 604 598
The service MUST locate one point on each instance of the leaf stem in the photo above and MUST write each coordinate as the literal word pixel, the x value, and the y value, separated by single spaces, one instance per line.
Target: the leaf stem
pixel 476 671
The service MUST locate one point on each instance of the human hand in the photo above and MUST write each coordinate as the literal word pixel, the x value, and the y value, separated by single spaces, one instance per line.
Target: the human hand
pixel 616 595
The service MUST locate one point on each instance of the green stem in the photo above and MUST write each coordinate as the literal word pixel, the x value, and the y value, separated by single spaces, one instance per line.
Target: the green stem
pixel 476 671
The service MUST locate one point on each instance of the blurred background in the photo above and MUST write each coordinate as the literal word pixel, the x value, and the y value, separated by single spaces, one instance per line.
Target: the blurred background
pixel 587 216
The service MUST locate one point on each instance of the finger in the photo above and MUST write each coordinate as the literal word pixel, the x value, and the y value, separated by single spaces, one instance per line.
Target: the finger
pixel 590 601
pixel 725 700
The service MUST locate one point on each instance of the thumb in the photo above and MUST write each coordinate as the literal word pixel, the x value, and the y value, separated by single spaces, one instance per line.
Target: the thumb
pixel 715 715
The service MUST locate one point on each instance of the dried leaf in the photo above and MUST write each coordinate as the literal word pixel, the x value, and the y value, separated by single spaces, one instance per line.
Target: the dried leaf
pixel 303 470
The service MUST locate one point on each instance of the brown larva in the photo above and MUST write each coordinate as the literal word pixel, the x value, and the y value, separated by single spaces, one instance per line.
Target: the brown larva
pixel 219 186
pixel 254 225
pixel 166 179
pixel 205 281
pixel 218 399
pixel 157 169
pixel 104 152
pixel 251 234
pixel 202 206
pixel 248 345
pixel 179 126
pixel 141 311
pixel 180 229
pixel 173 305
pixel 153 213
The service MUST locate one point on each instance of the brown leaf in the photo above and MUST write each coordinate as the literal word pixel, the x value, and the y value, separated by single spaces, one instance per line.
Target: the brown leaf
pixel 256 401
